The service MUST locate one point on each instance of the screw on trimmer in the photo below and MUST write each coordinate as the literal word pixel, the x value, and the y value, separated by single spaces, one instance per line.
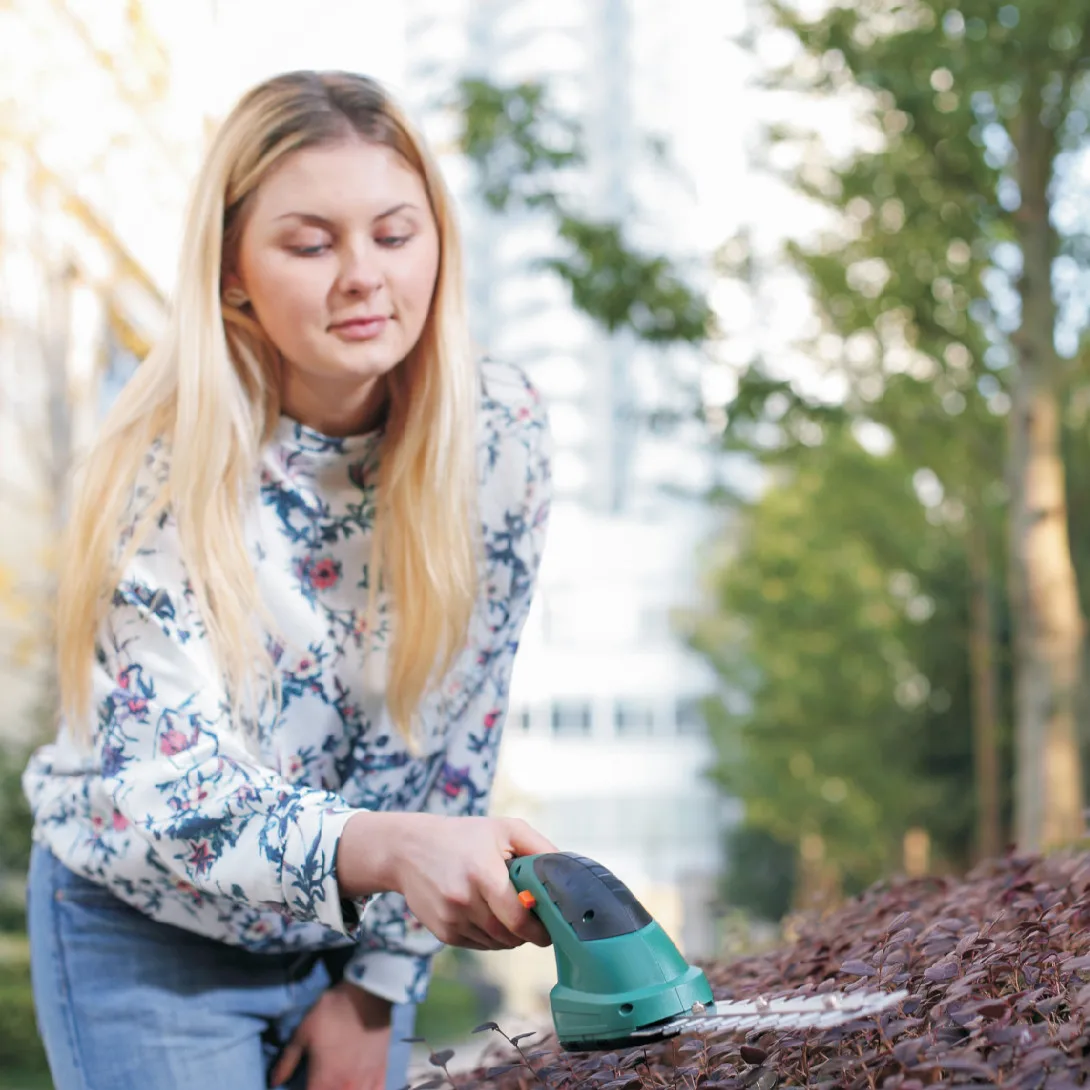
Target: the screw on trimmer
pixel 622 981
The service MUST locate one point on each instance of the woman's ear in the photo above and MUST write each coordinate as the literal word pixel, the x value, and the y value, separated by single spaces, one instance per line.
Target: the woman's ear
pixel 232 290
pixel 234 295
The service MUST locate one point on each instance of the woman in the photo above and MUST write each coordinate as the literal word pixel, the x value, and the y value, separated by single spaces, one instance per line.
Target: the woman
pixel 298 562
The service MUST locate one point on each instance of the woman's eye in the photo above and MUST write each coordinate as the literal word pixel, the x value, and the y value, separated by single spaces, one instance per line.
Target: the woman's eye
pixel 392 242
pixel 310 251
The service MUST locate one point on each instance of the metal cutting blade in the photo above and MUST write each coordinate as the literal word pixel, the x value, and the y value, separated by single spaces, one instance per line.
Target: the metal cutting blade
pixel 786 1012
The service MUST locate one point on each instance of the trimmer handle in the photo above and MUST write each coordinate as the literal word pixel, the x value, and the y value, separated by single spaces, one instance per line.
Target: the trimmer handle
pixel 576 898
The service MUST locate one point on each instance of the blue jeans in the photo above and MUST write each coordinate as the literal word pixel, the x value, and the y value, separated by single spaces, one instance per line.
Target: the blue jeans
pixel 126 1003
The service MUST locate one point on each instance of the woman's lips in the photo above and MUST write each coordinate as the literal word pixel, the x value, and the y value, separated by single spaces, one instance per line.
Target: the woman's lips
pixel 360 329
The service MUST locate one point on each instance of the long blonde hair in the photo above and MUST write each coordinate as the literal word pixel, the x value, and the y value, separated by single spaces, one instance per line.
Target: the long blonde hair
pixel 210 391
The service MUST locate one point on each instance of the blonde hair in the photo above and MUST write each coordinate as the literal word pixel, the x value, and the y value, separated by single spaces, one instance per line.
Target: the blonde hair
pixel 210 391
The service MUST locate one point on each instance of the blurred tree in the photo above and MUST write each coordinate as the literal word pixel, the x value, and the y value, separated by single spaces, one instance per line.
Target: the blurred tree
pixel 947 284
pixel 522 152
pixel 840 630
pixel 72 290
pixel 15 830
pixel 761 872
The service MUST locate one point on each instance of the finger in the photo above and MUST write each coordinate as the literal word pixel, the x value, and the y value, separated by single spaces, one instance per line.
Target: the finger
pixel 288 1062
pixel 466 936
pixel 488 921
pixel 508 919
pixel 524 927
pixel 523 839
pixel 489 939
pixel 534 931
pixel 334 1070
pixel 529 928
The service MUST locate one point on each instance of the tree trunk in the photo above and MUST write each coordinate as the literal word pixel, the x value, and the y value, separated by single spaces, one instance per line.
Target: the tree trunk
pixel 818 884
pixel 1048 626
pixel 985 687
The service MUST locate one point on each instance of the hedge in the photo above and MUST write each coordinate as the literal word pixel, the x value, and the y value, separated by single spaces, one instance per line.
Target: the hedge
pixel 997 967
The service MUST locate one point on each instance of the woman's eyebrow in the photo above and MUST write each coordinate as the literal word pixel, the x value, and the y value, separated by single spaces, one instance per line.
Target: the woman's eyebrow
pixel 396 208
pixel 321 221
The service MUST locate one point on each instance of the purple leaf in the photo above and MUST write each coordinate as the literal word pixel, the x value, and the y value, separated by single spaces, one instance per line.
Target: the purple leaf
pixel 943 970
pixel 753 1055
pixel 898 922
pixel 992 1008
pixel 858 968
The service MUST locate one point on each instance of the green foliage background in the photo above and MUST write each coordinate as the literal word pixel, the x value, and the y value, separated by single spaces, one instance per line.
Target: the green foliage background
pixel 841 619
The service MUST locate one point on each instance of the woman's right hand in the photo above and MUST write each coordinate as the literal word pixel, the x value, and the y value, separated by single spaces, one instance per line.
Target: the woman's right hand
pixel 452 872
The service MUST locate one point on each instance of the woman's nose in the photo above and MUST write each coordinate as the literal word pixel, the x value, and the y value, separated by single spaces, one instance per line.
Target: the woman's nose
pixel 360 272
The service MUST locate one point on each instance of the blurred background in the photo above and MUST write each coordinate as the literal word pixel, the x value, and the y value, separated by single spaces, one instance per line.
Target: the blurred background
pixel 804 286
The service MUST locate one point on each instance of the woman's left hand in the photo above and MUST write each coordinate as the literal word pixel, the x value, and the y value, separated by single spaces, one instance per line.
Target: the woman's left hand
pixel 346 1037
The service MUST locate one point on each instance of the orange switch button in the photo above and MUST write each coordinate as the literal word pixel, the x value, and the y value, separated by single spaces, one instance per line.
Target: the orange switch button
pixel 527 898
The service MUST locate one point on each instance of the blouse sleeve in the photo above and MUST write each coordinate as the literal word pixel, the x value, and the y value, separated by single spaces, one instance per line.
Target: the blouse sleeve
pixel 394 954
pixel 182 775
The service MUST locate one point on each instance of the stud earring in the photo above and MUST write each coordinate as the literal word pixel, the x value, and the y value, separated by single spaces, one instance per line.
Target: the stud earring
pixel 235 297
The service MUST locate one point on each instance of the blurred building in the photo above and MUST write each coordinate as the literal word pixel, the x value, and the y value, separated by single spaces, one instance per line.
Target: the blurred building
pixel 605 750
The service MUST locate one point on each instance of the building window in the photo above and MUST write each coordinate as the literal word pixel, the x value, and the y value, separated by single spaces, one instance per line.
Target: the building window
pixel 690 715
pixel 634 717
pixel 571 717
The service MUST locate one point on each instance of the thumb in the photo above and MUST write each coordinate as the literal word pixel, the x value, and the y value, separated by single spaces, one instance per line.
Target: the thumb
pixel 523 839
pixel 287 1063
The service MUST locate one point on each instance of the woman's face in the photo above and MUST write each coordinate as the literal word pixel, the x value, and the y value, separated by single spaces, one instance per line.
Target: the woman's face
pixel 339 257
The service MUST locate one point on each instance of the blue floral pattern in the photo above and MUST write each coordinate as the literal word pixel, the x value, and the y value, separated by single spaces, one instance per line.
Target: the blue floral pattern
pixel 235 836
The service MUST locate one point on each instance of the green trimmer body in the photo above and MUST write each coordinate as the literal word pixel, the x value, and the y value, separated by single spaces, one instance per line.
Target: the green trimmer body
pixel 621 981
pixel 617 970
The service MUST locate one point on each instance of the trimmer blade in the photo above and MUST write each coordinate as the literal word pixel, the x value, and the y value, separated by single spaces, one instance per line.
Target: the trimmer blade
pixel 804 1012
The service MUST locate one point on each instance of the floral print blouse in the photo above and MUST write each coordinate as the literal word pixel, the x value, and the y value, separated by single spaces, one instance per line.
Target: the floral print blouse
pixel 183 819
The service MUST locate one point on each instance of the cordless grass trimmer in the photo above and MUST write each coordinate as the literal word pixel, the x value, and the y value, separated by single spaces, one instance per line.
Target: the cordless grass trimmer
pixel 622 981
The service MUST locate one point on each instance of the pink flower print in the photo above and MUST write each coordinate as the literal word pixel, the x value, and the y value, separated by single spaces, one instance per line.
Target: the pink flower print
pixel 325 573
pixel 173 741
pixel 97 823
pixel 295 766
pixel 123 679
pixel 491 719
pixel 454 780
pixel 304 665
pixel 259 929
pixel 201 858
pixel 137 705
pixel 120 822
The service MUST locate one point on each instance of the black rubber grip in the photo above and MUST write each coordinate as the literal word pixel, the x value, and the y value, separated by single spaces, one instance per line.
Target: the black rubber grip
pixel 596 903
